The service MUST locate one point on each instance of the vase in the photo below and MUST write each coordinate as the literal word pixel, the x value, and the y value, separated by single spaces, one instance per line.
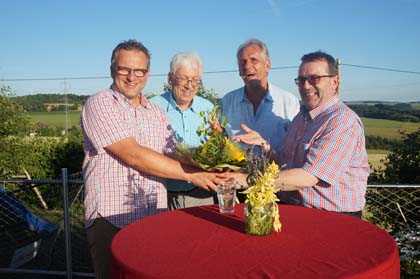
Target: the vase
pixel 259 220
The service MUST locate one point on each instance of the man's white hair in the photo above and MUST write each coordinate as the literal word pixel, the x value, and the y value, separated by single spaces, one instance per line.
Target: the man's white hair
pixel 186 59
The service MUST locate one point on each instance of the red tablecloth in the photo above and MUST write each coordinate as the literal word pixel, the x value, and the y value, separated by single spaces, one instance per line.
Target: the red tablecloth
pixel 201 243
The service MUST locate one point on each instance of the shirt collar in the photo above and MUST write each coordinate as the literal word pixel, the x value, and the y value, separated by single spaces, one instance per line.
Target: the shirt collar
pixel 144 102
pixel 318 110
pixel 174 105
pixel 267 96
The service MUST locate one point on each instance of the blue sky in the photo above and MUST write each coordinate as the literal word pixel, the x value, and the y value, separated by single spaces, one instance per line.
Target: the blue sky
pixel 54 39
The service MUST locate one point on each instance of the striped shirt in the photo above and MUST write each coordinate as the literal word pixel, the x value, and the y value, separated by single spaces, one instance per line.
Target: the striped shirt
pixel 329 143
pixel 113 190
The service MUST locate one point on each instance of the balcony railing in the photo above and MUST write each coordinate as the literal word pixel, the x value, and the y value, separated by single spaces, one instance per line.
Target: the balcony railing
pixel 62 250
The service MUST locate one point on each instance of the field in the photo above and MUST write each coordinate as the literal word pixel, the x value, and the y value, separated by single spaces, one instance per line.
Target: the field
pixel 376 127
pixel 376 157
pixel 388 128
pixel 56 118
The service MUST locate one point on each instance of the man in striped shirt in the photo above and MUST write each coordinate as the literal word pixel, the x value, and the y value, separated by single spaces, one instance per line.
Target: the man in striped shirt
pixel 125 137
pixel 324 157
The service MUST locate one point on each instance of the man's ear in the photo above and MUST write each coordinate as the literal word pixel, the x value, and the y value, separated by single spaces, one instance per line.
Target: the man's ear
pixel 269 63
pixel 111 69
pixel 336 83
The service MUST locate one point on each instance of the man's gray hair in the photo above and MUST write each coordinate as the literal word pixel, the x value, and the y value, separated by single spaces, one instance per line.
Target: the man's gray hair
pixel 186 59
pixel 250 42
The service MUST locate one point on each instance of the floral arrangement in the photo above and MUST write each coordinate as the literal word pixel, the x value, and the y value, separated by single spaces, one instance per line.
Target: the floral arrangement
pixel 261 210
pixel 217 151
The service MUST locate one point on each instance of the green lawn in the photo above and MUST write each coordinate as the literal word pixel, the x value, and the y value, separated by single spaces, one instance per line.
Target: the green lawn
pixel 387 128
pixel 56 118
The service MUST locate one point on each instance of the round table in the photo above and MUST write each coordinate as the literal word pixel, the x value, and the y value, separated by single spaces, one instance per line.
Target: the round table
pixel 200 242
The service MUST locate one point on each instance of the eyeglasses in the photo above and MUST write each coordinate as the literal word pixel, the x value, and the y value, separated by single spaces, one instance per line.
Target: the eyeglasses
pixel 313 79
pixel 124 71
pixel 185 80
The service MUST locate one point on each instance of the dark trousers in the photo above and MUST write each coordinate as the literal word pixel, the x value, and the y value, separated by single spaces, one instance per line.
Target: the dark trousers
pixel 99 237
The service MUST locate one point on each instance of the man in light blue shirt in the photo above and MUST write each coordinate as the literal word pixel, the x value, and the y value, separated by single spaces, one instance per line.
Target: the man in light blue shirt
pixel 183 108
pixel 258 105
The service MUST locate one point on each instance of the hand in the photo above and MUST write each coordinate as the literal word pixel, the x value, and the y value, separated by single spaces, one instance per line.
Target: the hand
pixel 239 178
pixel 208 180
pixel 215 126
pixel 251 137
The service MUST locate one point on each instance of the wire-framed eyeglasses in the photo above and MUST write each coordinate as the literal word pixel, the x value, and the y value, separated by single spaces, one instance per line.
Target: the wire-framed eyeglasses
pixel 184 80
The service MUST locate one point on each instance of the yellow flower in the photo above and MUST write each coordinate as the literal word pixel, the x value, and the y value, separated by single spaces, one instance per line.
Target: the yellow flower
pixel 263 193
pixel 233 151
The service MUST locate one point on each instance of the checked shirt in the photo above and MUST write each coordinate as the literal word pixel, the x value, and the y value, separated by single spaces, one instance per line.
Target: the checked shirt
pixel 112 189
pixel 329 143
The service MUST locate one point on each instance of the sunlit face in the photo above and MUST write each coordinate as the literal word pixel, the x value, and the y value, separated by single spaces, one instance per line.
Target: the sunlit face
pixel 129 83
pixel 253 66
pixel 185 83
pixel 322 89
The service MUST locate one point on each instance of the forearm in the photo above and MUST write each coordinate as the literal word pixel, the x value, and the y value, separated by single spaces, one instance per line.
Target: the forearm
pixel 147 160
pixel 295 179
pixel 154 163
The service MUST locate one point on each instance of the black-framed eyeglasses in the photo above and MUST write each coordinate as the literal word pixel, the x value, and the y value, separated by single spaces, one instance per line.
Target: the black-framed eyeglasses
pixel 312 79
pixel 125 71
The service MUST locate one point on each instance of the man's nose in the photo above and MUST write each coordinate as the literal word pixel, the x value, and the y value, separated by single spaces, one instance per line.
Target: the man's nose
pixel 189 84
pixel 131 76
pixel 246 65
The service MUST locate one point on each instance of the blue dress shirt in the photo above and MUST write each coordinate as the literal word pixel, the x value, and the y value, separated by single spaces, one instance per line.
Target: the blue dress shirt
pixel 275 112
pixel 185 124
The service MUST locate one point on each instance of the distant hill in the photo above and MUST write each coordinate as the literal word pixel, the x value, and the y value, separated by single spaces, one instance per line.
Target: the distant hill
pixel 50 102
pixel 408 112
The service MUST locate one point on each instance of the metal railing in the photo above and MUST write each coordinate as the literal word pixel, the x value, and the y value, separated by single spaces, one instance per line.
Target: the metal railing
pixel 64 251
pixel 54 256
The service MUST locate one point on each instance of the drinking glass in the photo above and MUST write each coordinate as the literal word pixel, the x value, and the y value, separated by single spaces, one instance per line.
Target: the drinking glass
pixel 226 195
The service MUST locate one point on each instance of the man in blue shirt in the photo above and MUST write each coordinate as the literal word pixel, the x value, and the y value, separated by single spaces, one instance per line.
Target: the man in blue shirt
pixel 182 108
pixel 258 105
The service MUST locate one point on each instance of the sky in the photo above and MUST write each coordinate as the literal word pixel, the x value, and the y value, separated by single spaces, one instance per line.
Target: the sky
pixel 67 40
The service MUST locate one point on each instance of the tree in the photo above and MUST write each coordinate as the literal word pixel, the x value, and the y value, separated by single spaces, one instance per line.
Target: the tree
pixel 402 164
pixel 14 124
pixel 13 119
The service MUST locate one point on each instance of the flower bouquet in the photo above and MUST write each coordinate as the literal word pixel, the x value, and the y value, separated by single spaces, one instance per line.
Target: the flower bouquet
pixel 217 151
pixel 261 210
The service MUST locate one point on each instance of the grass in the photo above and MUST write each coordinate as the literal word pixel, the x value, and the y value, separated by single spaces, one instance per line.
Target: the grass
pixel 375 156
pixel 56 118
pixel 388 128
